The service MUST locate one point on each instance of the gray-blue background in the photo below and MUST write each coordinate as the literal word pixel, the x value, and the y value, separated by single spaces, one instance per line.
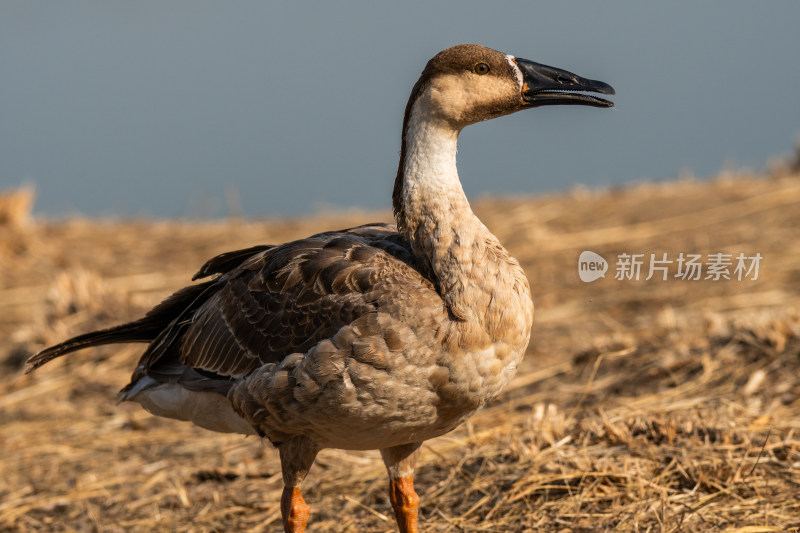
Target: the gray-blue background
pixel 128 108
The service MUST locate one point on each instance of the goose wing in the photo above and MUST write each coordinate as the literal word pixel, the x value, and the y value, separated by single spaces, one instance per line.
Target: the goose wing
pixel 280 300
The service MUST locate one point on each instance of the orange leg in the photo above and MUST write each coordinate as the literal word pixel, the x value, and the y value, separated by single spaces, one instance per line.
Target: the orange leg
pixel 294 510
pixel 399 461
pixel 405 503
pixel 297 456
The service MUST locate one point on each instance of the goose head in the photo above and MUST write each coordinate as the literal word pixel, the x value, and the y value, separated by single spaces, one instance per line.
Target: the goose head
pixel 470 83
pixel 459 86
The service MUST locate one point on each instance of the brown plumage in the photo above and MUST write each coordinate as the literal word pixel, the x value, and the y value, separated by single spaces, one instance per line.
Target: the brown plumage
pixel 367 337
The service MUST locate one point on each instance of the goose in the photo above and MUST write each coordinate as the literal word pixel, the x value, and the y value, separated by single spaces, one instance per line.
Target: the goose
pixel 374 337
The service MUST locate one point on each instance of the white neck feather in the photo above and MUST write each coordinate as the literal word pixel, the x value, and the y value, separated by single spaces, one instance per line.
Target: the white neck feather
pixel 430 159
pixel 440 223
pixel 477 279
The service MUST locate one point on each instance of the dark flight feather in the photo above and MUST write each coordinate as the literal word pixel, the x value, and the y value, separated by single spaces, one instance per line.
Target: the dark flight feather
pixel 265 303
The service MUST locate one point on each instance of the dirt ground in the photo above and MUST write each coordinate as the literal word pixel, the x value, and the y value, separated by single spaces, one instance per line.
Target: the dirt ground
pixel 649 405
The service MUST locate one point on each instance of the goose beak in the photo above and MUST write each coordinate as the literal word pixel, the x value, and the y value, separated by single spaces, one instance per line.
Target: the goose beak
pixel 543 85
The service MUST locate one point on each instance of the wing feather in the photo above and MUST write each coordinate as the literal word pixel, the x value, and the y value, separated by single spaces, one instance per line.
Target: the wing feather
pixel 279 300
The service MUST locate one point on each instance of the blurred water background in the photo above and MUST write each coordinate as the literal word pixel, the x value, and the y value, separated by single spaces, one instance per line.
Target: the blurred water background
pixel 206 109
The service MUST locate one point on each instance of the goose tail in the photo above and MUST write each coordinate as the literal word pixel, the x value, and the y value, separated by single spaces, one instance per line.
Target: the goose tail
pixel 146 329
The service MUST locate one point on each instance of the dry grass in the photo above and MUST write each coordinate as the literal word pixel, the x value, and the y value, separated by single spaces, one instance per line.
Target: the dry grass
pixel 16 206
pixel 641 406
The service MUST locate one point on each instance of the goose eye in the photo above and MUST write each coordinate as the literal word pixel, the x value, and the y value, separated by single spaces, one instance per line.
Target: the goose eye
pixel 481 69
